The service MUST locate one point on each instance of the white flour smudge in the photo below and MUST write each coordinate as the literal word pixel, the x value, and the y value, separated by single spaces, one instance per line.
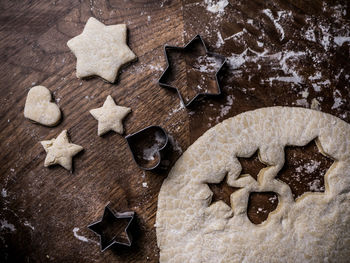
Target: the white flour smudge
pixel 81 238
pixel 6 225
pixel 340 40
pixel 281 14
pixel 26 223
pixel 220 41
pixel 175 144
pixel 236 35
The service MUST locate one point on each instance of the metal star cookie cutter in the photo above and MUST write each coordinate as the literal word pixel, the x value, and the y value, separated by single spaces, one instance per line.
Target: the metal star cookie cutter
pixel 146 155
pixel 162 80
pixel 109 216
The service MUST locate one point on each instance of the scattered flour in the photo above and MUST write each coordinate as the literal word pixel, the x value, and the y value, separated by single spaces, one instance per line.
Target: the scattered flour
pixel 325 41
pixel 177 109
pixel 207 64
pixel 315 186
pixel 338 101
pixel 310 35
pixel 317 86
pixel 4 192
pixel 273 199
pixel 144 185
pixel 156 67
pixel 309 167
pixel 318 75
pixel 149 153
pixel 302 102
pixel 214 6
pixel 225 109
pixel 304 93
pixel 315 104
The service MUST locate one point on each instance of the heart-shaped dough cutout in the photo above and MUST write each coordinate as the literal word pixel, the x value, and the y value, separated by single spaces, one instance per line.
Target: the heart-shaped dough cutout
pixel 39 107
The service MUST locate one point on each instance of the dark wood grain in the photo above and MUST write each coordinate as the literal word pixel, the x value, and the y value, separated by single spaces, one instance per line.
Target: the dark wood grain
pixel 44 205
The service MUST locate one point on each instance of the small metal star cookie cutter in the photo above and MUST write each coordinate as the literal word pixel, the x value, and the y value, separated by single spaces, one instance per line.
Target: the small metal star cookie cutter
pixel 148 146
pixel 162 80
pixel 109 216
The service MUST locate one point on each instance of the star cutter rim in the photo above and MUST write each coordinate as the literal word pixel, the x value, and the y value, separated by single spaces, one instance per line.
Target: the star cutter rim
pixel 105 244
pixel 159 153
pixel 162 82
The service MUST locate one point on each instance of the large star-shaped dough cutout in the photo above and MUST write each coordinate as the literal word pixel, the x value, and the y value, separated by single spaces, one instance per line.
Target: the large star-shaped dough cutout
pixel 101 50
pixel 60 151
pixel 110 116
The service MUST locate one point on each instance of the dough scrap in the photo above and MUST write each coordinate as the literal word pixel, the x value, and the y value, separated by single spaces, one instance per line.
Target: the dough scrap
pixel 314 228
pixel 110 117
pixel 40 109
pixel 101 50
pixel 60 151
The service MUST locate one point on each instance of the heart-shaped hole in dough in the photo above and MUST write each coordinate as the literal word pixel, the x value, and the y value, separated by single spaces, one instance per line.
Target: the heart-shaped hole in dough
pixel 39 107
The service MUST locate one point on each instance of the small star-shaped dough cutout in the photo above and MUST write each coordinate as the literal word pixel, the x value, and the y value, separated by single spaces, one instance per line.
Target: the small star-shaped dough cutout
pixel 60 151
pixel 110 116
pixel 101 50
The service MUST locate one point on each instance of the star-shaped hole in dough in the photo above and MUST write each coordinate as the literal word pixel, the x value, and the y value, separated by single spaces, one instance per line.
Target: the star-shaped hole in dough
pixel 222 191
pixel 101 50
pixel 60 151
pixel 251 165
pixel 302 173
pixel 110 117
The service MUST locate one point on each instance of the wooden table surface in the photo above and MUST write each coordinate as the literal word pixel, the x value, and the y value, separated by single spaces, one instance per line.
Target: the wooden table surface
pixel 280 52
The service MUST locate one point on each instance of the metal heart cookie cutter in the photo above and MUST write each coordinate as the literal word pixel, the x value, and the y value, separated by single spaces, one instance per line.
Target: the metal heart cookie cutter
pixel 148 146
pixel 196 67
pixel 110 226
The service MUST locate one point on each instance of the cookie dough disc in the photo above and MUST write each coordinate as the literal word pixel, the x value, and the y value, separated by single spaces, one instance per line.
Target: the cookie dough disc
pixel 314 228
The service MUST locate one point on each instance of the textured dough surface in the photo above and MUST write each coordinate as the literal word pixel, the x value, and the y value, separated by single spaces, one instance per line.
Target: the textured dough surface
pixel 60 151
pixel 39 107
pixel 110 117
pixel 314 228
pixel 101 50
